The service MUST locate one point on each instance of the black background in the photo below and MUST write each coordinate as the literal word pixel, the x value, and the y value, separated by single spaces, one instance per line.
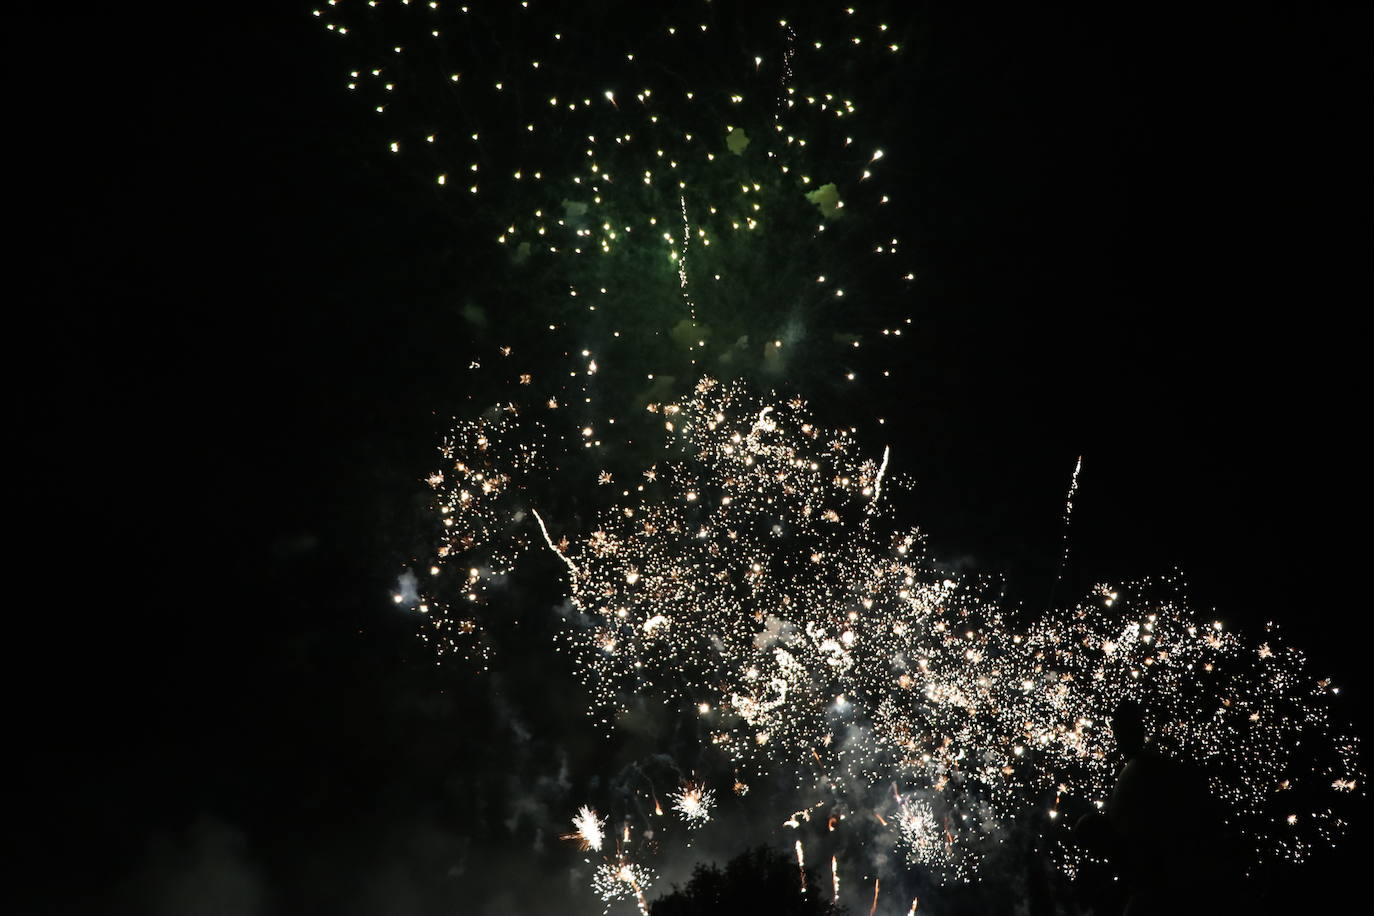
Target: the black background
pixel 1140 239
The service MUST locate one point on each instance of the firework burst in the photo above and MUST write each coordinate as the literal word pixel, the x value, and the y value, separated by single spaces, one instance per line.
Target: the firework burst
pixel 590 830
pixel 694 803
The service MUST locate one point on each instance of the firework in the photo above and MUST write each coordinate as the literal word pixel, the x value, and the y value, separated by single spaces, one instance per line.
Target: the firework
pixel 590 829
pixel 723 549
pixel 623 880
pixel 919 832
pixel 694 803
pixel 757 577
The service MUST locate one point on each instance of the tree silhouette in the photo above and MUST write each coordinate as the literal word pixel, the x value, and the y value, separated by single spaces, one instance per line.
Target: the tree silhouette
pixel 759 880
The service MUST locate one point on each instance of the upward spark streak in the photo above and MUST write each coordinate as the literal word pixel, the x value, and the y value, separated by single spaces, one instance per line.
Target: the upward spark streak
pixel 552 546
pixel 686 242
pixel 878 481
pixel 1068 514
pixel 639 898
pixel 682 261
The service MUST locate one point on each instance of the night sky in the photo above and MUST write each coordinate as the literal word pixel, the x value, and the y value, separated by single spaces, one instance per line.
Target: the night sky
pixel 1140 237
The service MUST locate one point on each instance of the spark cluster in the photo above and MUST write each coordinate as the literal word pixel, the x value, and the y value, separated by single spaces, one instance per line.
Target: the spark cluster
pixel 756 579
pixel 622 880
pixel 694 803
pixel 633 181
pixel 590 830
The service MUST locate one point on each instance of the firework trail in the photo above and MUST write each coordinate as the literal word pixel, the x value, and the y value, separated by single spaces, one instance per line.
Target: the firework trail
pixel 878 479
pixel 544 530
pixel 1068 515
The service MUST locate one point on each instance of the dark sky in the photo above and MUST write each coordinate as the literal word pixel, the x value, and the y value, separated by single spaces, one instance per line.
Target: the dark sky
pixel 1141 239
